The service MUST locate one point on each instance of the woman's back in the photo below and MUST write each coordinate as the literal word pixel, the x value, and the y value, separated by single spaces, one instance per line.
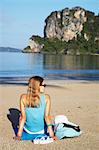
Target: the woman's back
pixel 35 116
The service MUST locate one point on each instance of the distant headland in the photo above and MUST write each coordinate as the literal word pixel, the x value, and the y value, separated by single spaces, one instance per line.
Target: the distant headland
pixel 69 31
pixel 9 49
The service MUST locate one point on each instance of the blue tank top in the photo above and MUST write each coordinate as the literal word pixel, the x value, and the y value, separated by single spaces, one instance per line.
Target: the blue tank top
pixel 35 116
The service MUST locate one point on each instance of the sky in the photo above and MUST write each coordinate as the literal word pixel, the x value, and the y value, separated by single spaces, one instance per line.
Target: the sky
pixel 20 19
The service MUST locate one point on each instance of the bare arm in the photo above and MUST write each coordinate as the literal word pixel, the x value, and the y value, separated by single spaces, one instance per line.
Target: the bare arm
pixel 47 115
pixel 23 116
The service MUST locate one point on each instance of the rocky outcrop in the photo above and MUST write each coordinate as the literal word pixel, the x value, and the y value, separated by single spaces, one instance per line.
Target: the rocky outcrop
pixel 69 31
pixel 65 24
pixel 33 46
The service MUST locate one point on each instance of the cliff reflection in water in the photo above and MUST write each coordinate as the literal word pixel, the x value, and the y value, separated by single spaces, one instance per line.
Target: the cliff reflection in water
pixel 71 62
pixel 82 67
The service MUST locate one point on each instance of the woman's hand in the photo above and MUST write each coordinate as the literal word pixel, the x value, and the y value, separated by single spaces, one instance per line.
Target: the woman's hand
pixel 55 138
pixel 51 133
pixel 17 138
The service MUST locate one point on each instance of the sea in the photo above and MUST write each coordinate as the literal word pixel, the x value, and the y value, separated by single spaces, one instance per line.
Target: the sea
pixel 18 67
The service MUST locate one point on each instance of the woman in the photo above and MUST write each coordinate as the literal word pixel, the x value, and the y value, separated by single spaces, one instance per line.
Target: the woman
pixel 35 110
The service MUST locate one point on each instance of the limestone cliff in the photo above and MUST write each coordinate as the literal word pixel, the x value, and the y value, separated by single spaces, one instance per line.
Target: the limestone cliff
pixel 66 24
pixel 69 31
pixel 33 46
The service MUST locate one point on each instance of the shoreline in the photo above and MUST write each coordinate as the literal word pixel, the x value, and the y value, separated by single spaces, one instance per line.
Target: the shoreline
pixel 24 80
pixel 78 100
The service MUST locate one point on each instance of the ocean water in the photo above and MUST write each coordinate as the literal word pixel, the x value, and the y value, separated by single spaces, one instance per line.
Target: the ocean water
pixel 20 66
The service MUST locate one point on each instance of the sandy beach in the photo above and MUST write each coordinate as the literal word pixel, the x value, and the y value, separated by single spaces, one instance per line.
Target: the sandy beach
pixel 78 100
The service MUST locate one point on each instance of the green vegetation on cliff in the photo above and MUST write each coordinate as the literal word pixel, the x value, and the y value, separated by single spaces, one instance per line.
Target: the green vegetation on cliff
pixel 51 45
pixel 79 46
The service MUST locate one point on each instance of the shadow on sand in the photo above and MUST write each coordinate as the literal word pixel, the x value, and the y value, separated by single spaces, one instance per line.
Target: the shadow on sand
pixel 13 117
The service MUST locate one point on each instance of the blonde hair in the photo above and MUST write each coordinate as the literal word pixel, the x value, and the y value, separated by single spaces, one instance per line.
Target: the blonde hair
pixel 33 92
